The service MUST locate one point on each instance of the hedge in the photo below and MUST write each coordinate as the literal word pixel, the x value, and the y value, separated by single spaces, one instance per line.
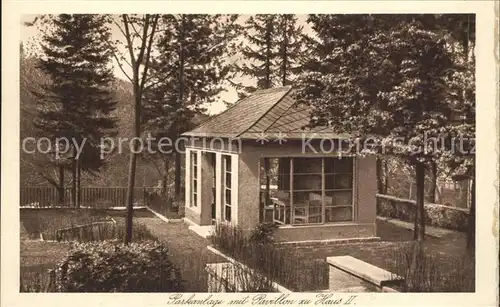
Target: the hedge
pixel 435 214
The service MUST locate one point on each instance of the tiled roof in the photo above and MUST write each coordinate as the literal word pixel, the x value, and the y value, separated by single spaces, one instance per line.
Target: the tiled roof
pixel 265 111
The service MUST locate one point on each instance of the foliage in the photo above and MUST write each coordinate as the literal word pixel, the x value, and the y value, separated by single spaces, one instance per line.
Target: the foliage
pixel 271 52
pixel 263 233
pixel 77 103
pixel 110 267
pixel 435 215
pixel 429 277
pixel 187 74
pixel 101 231
pixel 394 80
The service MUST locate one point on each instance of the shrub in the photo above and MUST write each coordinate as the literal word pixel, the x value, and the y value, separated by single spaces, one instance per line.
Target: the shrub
pixel 263 233
pixel 229 239
pixel 435 214
pixel 109 267
pixel 429 274
pixel 101 231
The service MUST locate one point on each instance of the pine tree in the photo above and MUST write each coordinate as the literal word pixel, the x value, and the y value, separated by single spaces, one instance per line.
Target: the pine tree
pixel 271 52
pixel 384 77
pixel 188 74
pixel 77 103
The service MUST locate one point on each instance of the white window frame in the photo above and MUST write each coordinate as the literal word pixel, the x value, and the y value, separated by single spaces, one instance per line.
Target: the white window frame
pixel 225 203
pixel 194 178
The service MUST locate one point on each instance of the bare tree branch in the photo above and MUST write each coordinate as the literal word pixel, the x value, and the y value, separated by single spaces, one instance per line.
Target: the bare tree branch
pixel 148 52
pixel 121 66
pixel 129 42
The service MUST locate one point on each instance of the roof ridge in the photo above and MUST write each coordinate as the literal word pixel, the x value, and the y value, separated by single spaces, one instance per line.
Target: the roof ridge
pixel 267 111
pixel 282 114
pixel 271 90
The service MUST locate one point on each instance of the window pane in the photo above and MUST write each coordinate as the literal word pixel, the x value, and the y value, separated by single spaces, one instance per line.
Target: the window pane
pixel 338 165
pixel 194 160
pixel 307 182
pixel 227 213
pixel 307 207
pixel 307 165
pixel 228 180
pixel 195 186
pixel 195 171
pixel 228 163
pixel 338 198
pixel 340 181
pixel 343 181
pixel 342 214
pixel 228 197
pixel 195 199
pixel 343 166
pixel 300 198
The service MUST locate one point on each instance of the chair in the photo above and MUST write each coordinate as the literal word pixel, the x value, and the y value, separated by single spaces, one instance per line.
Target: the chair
pixel 315 211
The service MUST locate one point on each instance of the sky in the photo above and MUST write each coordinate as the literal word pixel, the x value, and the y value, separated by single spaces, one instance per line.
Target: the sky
pixel 29 36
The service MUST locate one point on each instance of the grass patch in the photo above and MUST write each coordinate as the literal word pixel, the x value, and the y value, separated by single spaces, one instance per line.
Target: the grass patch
pixel 48 221
pixel 38 257
pixel 433 272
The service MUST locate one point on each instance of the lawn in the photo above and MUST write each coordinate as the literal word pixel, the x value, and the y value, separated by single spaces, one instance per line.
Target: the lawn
pixel 188 251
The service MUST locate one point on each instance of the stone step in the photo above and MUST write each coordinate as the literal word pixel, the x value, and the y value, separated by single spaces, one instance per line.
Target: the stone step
pixel 364 270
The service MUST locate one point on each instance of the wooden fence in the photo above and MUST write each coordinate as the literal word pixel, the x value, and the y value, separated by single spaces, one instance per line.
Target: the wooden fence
pixel 94 197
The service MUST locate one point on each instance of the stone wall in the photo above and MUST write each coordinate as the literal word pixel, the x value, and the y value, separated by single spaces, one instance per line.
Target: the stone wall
pixel 435 214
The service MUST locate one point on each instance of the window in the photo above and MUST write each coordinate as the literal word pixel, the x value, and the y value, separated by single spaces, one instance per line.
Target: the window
pixel 307 190
pixel 338 189
pixel 227 177
pixel 194 179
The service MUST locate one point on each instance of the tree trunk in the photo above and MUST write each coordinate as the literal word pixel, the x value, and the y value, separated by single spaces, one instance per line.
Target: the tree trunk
pixel 419 231
pixel 130 196
pixel 432 191
pixel 73 184
pixel 165 178
pixel 380 182
pixel 285 54
pixel 178 161
pixel 268 54
pixel 132 163
pixel 471 231
pixel 78 183
pixel 60 188
pixel 177 182
pixel 386 177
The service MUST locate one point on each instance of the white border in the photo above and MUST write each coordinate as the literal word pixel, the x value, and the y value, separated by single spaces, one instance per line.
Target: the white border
pixel 487 148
